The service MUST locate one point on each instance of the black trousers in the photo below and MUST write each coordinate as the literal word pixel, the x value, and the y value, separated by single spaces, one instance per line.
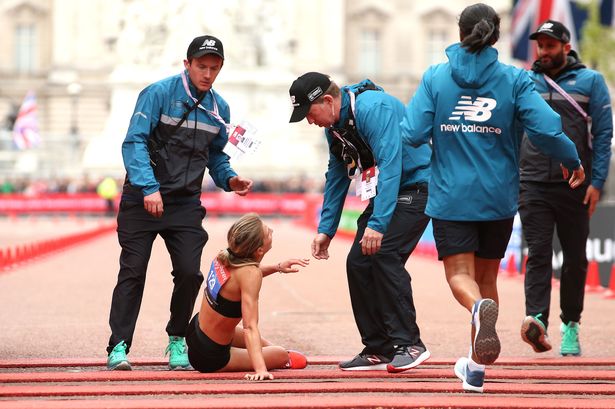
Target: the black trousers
pixel 380 289
pixel 543 207
pixel 182 231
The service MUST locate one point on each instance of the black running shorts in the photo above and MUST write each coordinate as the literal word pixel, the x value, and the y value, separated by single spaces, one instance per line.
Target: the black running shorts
pixel 204 354
pixel 486 239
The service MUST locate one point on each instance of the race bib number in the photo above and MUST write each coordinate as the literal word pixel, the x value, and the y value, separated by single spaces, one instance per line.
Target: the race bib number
pixel 216 278
pixel 242 140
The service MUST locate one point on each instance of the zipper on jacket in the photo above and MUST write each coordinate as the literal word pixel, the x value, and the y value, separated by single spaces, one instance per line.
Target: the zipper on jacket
pixel 551 106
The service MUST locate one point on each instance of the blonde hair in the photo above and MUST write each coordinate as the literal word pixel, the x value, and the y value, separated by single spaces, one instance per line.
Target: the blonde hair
pixel 244 237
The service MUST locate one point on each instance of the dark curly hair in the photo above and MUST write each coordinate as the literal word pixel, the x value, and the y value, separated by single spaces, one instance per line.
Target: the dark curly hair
pixel 479 26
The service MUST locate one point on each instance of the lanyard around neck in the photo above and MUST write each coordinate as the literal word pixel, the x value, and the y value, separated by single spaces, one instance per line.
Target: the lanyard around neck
pixel 566 96
pixel 215 111
pixel 352 100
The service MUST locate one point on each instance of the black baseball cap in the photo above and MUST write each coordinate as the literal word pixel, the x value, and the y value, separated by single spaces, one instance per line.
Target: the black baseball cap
pixel 305 90
pixel 205 45
pixel 553 29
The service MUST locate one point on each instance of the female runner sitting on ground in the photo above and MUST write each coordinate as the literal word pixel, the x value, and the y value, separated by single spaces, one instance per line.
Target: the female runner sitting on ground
pixel 215 343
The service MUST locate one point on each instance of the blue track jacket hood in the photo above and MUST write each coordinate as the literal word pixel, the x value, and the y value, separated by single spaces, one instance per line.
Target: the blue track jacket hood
pixel 472 70
pixel 473 109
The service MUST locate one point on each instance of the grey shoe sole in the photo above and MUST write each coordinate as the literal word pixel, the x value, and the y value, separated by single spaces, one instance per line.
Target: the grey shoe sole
pixel 122 366
pixel 181 368
pixel 378 367
pixel 486 342
pixel 534 334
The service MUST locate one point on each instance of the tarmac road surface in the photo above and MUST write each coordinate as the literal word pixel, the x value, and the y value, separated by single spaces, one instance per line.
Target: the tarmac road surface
pixel 58 306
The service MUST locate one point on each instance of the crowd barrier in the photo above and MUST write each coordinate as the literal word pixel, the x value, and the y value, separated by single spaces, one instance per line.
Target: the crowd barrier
pixel 306 209
pixel 15 255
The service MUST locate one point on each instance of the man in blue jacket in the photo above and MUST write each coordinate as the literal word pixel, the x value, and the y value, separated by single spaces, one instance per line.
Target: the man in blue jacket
pixel 178 128
pixel 362 130
pixel 576 93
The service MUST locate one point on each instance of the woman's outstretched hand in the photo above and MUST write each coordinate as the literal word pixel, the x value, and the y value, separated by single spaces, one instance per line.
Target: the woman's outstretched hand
pixel 287 265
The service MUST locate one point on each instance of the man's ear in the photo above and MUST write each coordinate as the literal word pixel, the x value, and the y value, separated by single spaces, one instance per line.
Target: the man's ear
pixel 328 98
pixel 567 48
pixel 186 64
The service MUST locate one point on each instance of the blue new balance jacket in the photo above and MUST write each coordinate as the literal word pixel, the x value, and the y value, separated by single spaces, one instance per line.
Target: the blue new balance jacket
pixel 473 109
pixel 377 117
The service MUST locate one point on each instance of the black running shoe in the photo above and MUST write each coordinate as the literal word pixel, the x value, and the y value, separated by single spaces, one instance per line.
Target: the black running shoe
pixel 408 356
pixel 365 362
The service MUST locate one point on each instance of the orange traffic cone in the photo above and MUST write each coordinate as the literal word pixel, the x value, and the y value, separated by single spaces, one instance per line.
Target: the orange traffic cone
pixel 511 266
pixel 610 292
pixel 592 281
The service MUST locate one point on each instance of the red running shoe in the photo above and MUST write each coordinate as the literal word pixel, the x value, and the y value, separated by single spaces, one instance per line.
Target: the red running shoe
pixel 296 360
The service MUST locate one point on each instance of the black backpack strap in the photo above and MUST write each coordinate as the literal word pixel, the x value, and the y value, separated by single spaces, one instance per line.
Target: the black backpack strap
pixel 347 145
pixel 189 110
pixel 155 145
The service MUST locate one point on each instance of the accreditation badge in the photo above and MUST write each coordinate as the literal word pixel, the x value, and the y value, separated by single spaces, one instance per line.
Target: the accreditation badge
pixel 368 183
pixel 242 140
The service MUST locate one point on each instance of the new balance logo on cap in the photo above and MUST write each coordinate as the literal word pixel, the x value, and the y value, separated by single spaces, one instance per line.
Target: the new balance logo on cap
pixel 546 27
pixel 208 43
pixel 477 111
pixel 205 45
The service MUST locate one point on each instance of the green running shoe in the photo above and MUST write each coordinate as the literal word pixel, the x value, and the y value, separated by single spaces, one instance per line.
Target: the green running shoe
pixel 178 353
pixel 117 359
pixel 570 339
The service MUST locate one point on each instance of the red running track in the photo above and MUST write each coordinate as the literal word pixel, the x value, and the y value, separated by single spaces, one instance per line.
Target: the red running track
pixel 511 383
pixel 54 313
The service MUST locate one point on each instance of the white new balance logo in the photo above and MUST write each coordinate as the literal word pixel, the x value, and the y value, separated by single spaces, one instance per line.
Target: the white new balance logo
pixel 374 359
pixel 477 111
pixel 546 27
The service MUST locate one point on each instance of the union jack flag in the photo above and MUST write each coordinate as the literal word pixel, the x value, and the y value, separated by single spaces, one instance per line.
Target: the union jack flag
pixel 528 14
pixel 25 129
